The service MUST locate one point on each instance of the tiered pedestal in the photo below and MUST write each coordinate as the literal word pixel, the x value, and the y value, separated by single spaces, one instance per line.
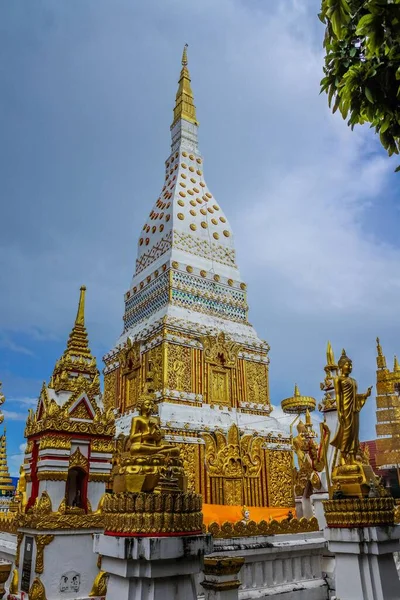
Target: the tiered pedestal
pixel 221 577
pixel 152 568
pixel 363 538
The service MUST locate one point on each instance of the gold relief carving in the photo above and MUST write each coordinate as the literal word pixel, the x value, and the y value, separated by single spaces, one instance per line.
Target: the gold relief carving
pixel 52 475
pixel 190 466
pixel 132 388
pixel 97 445
pixel 37 590
pixel 110 390
pixel 240 529
pixel 41 542
pixel 79 460
pixel 58 520
pixel 43 504
pixel 280 481
pixel 55 442
pixel 359 512
pixel 20 537
pixel 155 365
pixel 57 418
pixel 179 368
pixel 219 386
pixel 81 412
pixel 132 512
pixel 219 350
pixel 29 447
pixel 257 382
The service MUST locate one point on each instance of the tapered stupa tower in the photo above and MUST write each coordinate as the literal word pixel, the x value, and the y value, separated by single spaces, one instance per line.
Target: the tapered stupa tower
pixel 6 484
pixel 186 321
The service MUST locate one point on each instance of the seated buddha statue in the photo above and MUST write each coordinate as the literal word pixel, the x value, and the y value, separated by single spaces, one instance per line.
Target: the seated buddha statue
pixel 145 455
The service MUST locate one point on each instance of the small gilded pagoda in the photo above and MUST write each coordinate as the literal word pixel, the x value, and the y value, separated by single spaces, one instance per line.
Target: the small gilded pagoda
pixel 186 321
pixel 6 485
pixel 68 461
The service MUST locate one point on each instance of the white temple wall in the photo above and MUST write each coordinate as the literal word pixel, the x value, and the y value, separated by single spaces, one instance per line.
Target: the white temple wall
pixel 95 491
pixel 69 555
pixel 55 489
pixel 287 566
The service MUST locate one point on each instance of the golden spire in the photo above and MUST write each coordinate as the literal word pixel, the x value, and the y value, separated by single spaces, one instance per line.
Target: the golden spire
pixel 6 485
pixel 296 391
pixel 77 358
pixel 380 359
pixel 184 103
pixel 396 366
pixel 78 339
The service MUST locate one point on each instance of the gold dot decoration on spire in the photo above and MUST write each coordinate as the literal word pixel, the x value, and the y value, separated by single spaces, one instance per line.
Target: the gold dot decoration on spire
pixel 184 102
pixel 298 404
pixel 77 363
pixel 2 400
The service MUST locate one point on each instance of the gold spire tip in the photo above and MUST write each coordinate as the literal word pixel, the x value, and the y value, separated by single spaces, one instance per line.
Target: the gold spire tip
pixel 184 55
pixel 296 390
pixel 80 315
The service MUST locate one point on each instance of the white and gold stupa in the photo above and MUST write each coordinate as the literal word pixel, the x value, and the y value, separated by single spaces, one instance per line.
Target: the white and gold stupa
pixel 186 321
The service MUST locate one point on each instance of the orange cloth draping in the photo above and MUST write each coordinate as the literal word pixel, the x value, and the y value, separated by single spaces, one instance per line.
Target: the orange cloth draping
pixel 219 513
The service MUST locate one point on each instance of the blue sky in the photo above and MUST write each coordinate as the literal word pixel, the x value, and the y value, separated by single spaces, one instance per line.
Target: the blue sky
pixel 86 97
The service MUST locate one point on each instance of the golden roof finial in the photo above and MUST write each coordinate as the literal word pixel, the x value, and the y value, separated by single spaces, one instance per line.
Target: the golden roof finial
pixel 396 366
pixel 184 102
pixel 80 315
pixel 330 358
pixel 184 56
pixel 296 391
pixel 380 359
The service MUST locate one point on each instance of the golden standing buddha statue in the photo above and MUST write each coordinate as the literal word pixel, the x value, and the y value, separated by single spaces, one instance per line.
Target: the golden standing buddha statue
pixel 348 471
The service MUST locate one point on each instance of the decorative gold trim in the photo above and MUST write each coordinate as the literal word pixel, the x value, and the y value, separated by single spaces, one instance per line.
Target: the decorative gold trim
pixel 102 445
pixel 99 587
pixel 359 512
pixel 241 529
pixel 37 590
pixel 222 565
pixel 152 512
pixel 99 477
pixel 42 541
pixel 55 442
pixel 52 475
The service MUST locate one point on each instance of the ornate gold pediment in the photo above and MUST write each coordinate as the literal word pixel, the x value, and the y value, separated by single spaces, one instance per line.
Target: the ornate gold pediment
pixel 219 350
pixel 232 456
pixel 77 459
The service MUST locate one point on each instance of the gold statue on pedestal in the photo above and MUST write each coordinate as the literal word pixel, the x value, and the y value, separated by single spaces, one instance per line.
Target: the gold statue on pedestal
pixel 147 463
pixel 349 473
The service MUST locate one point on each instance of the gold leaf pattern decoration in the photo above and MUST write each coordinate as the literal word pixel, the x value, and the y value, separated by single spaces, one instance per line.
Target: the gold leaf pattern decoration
pixel 280 470
pixel 257 382
pixel 179 368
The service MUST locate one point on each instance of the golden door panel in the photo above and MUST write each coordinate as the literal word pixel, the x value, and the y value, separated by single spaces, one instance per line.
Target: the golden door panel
pixel 132 388
pixel 154 361
pixel 280 478
pixel 110 390
pixel 219 386
pixel 233 492
pixel 257 382
pixel 179 368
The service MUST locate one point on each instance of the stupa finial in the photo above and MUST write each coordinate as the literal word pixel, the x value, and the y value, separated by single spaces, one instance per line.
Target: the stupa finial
pixel 184 102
